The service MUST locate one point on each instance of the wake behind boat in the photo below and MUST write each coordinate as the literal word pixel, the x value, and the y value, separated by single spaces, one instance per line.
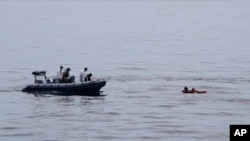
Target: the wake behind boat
pixel 71 88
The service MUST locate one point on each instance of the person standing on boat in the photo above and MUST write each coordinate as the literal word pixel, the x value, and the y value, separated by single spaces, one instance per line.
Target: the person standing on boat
pixel 60 73
pixel 83 74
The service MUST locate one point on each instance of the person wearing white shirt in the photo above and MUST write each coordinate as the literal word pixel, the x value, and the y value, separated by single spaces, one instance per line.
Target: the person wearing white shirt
pixel 58 77
pixel 60 73
pixel 83 75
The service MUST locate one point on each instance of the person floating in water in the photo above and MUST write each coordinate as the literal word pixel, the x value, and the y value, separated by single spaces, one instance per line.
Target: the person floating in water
pixel 186 90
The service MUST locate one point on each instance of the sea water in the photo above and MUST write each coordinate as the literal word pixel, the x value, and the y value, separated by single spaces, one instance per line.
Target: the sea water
pixel 146 50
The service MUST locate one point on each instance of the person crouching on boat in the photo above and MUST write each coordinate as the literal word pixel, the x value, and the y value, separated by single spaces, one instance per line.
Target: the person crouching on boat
pixel 65 76
pixel 186 90
pixel 88 77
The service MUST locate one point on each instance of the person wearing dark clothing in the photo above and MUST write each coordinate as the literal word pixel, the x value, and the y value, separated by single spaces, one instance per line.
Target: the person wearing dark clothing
pixel 65 76
pixel 88 77
pixel 186 90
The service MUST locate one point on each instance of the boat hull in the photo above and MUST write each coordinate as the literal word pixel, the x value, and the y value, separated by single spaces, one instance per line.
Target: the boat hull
pixel 84 88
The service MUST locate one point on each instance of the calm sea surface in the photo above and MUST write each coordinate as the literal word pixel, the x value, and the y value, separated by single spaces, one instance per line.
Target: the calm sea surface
pixel 146 50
